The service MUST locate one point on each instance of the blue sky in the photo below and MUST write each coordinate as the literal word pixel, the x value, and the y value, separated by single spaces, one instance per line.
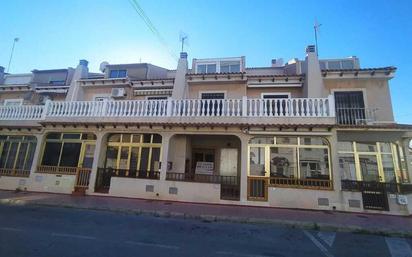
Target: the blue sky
pixel 56 34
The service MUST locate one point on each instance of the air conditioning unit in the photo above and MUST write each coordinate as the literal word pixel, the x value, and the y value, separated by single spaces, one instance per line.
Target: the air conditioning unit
pixel 118 92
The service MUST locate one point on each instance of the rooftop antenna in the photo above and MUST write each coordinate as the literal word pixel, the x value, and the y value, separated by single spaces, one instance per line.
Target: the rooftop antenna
pixel 16 39
pixel 316 28
pixel 183 39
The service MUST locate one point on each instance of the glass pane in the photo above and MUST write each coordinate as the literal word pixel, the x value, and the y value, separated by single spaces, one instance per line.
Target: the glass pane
pixel 111 157
pixel 12 155
pixel 313 141
pixel 114 73
pixel 53 136
pixel 154 163
pixel 70 154
pixel 369 167
pixel 134 158
pixel 235 68
pixel 283 162
pixel 21 156
pixel 88 156
pixel 51 154
pixel 124 156
pixel 224 68
pixel 3 157
pixel 144 160
pixel 345 146
pixel 366 147
pixel 388 168
pixel 71 136
pixel 262 140
pixel 122 74
pixel 147 138
pixel 89 136
pixel 126 138
pixel 286 140
pixel 157 139
pixel 211 68
pixel 385 147
pixel 3 138
pixel 257 161
pixel 114 138
pixel 16 138
pixel 30 156
pixel 136 138
pixel 314 163
pixel 201 68
pixel 29 138
pixel 347 167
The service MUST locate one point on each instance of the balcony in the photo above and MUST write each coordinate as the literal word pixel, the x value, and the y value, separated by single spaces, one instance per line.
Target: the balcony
pixel 356 116
pixel 231 111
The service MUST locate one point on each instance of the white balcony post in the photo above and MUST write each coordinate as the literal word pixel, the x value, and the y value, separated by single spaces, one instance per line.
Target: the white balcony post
pixel 46 109
pixel 169 107
pixel 244 106
pixel 331 102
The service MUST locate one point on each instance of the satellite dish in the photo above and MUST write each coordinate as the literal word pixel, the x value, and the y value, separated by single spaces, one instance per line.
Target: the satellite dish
pixel 103 66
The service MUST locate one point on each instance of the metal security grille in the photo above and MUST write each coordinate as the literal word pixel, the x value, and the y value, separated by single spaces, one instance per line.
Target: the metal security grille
pixel 350 108
pixel 375 200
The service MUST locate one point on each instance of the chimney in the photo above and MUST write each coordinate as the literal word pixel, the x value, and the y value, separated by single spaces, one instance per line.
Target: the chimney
pixel 75 92
pixel 1 74
pixel 180 86
pixel 313 86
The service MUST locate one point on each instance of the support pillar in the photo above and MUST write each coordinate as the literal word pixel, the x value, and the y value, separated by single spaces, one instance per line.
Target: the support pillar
pixel 244 141
pixel 98 158
pixel 165 154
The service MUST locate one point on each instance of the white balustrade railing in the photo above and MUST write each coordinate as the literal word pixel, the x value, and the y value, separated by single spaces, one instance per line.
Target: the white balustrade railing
pixel 21 112
pixel 290 107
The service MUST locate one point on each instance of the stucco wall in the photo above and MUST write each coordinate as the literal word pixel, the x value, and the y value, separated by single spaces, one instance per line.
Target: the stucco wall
pixel 376 94
pixel 233 90
pixel 12 183
pixel 257 92
pixel 51 183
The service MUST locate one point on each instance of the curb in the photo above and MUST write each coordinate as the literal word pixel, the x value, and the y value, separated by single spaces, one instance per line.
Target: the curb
pixel 216 218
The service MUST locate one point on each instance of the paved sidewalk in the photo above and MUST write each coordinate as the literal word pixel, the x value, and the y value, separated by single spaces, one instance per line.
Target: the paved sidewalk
pixel 323 220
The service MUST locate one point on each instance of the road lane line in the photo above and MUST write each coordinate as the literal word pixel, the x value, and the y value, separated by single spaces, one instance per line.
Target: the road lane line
pixel 327 237
pixel 11 229
pixel 398 247
pixel 174 247
pixel 318 244
pixel 239 254
pixel 73 236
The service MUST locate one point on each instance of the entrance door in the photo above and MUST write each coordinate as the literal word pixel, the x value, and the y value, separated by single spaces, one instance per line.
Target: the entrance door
pixel 84 166
pixel 258 178
pixel 350 107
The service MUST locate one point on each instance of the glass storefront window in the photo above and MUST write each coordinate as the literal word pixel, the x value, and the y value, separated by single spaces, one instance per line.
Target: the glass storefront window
pixel 16 152
pixel 369 167
pixel 283 162
pixel 314 163
pixel 347 166
pixel 388 168
pixel 257 161
pixel 345 146
pixel 366 147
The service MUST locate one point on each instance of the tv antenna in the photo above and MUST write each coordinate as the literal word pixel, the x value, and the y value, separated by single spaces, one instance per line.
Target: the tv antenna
pixel 183 38
pixel 316 28
pixel 16 39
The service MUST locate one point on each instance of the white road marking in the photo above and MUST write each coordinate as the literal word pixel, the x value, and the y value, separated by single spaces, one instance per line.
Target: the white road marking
pixel 327 237
pixel 318 244
pixel 239 254
pixel 398 247
pixel 174 247
pixel 74 236
pixel 11 229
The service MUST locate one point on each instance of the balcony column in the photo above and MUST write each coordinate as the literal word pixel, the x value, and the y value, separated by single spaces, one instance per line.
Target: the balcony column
pixel 40 138
pixel 336 177
pixel 98 158
pixel 244 141
pixel 408 158
pixel 165 154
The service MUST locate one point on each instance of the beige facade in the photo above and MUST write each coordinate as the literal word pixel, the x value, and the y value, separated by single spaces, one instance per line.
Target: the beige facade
pixel 309 134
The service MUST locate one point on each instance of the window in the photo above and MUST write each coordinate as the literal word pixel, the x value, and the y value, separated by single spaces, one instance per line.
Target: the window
pixel 57 82
pixel 213 95
pixel 350 107
pixel 101 98
pixel 118 74
pixel 275 95
pixel 367 161
pixel 13 102
pixel 65 150
pixel 206 68
pixel 347 65
pixel 157 98
pixel 134 152
pixel 230 67
pixel 290 157
pixel 16 154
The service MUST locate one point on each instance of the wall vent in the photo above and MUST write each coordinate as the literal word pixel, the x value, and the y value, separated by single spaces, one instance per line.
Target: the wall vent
pixel 173 190
pixel 354 203
pixel 149 188
pixel 323 201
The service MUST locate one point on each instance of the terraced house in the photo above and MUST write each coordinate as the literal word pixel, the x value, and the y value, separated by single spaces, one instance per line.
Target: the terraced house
pixel 312 134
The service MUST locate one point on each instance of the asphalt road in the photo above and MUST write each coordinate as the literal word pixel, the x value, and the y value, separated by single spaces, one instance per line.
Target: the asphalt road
pixel 42 231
